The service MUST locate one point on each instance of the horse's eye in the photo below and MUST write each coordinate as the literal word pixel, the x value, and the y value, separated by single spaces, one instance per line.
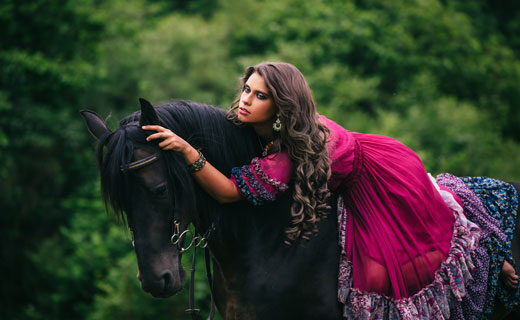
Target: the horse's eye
pixel 160 191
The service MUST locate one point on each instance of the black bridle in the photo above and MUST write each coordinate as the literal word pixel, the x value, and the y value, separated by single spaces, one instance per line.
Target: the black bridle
pixel 197 240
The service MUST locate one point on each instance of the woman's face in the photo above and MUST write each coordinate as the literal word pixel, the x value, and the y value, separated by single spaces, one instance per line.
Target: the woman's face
pixel 256 105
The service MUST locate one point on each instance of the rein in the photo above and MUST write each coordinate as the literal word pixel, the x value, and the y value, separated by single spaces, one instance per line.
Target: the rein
pixel 198 240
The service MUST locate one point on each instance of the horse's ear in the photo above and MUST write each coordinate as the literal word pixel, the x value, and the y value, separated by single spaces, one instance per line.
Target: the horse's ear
pixel 95 124
pixel 148 115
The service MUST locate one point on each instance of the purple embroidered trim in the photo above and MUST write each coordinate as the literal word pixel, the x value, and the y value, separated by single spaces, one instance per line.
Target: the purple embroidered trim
pixel 278 185
pixel 257 187
pixel 244 188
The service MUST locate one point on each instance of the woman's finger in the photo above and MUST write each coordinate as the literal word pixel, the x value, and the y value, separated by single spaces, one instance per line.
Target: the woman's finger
pixel 163 144
pixel 154 127
pixel 155 136
pixel 170 141
pixel 169 144
pixel 160 135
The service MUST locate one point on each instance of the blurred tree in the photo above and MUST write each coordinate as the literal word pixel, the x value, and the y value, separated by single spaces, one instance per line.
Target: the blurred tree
pixel 47 48
pixel 204 8
pixel 191 61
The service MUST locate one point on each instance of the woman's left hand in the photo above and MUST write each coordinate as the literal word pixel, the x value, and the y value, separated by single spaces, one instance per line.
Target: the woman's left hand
pixel 171 141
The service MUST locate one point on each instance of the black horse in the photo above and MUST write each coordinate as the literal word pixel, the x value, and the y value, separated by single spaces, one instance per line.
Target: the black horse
pixel 255 275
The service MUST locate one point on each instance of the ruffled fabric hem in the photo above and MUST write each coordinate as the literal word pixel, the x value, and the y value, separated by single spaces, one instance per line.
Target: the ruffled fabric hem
pixel 431 302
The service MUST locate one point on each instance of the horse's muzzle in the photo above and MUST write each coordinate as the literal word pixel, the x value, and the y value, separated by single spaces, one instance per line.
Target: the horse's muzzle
pixel 164 286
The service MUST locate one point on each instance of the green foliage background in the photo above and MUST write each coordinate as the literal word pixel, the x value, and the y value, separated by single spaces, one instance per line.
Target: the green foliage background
pixel 440 75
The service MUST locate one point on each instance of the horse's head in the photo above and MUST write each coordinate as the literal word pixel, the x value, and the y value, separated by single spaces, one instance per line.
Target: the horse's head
pixel 137 183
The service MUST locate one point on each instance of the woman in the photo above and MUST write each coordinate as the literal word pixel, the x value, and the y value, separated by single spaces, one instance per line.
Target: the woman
pixel 399 227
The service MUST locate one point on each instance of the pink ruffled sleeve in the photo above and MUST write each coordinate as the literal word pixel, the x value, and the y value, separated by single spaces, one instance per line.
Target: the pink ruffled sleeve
pixel 263 178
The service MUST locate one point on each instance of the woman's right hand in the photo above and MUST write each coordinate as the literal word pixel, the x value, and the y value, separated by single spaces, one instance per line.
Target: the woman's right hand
pixel 213 181
pixel 171 141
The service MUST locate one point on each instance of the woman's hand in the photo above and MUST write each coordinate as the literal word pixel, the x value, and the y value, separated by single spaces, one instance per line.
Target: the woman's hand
pixel 171 141
pixel 213 181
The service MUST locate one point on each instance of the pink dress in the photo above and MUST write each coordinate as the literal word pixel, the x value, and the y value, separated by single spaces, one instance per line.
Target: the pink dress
pixel 399 228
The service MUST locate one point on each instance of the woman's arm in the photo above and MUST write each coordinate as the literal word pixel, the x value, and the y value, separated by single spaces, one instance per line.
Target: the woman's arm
pixel 217 185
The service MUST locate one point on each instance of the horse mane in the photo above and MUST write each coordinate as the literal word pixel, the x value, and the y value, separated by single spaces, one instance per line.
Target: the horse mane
pixel 204 127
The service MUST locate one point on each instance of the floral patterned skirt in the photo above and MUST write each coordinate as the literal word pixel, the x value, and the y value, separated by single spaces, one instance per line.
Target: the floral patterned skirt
pixel 501 202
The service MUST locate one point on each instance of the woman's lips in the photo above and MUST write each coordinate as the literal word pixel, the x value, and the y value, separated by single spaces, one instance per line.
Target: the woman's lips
pixel 243 111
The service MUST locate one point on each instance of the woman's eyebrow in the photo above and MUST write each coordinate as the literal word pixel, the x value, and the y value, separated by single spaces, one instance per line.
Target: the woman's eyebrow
pixel 256 90
pixel 262 92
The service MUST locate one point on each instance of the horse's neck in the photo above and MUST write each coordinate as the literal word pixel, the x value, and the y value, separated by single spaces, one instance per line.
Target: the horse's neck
pixel 246 235
pixel 255 272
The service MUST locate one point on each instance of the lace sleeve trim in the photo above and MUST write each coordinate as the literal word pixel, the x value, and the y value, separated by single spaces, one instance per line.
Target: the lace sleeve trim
pixel 244 188
pixel 278 185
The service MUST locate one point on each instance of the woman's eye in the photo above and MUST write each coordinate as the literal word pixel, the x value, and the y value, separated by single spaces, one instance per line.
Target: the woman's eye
pixel 247 89
pixel 261 96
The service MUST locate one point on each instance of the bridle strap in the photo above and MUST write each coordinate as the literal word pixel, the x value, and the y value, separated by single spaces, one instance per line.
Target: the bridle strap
pixel 207 257
pixel 141 163
pixel 191 307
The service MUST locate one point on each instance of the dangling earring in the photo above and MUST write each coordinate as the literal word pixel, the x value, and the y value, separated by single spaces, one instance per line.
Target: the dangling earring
pixel 277 125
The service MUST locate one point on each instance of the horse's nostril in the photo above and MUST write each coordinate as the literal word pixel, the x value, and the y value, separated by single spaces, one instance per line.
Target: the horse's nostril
pixel 167 280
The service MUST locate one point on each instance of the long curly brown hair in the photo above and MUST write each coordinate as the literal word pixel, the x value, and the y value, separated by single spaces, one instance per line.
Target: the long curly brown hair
pixel 304 137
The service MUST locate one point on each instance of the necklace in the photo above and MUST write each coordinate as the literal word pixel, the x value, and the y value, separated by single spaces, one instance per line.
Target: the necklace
pixel 267 147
